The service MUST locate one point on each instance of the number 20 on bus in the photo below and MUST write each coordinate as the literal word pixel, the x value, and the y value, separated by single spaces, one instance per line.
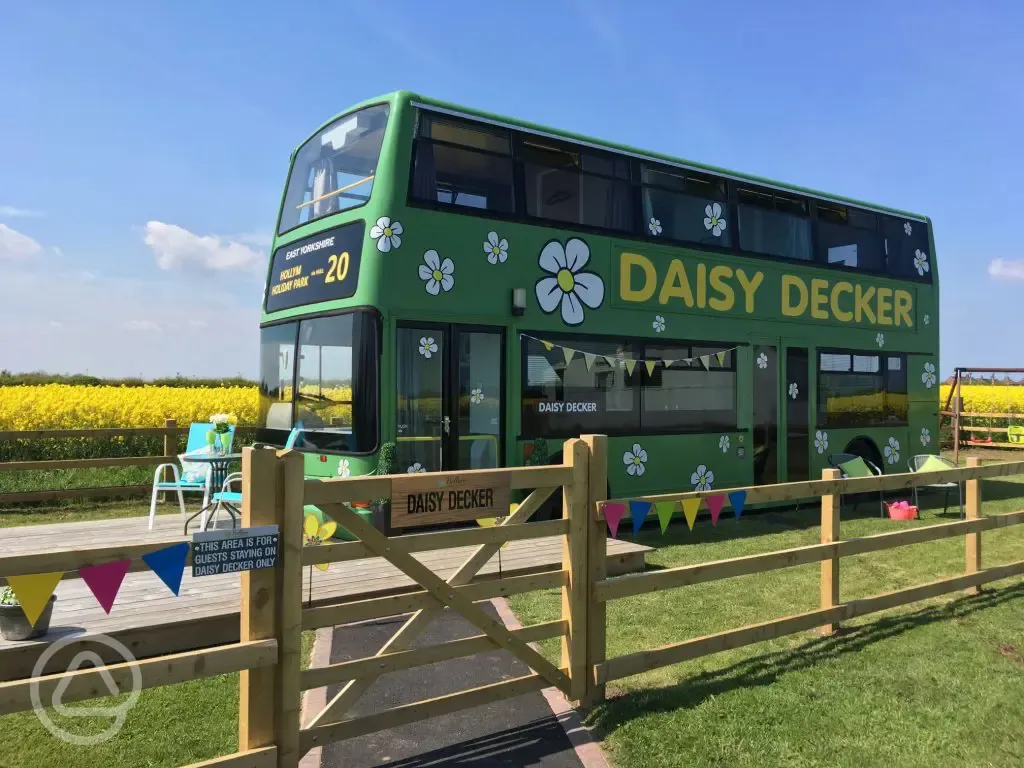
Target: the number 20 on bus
pixel 337 267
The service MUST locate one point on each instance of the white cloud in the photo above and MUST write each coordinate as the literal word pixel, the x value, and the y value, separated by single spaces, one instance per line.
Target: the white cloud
pixel 198 323
pixel 1006 269
pixel 176 247
pixel 141 325
pixel 12 212
pixel 14 245
pixel 109 325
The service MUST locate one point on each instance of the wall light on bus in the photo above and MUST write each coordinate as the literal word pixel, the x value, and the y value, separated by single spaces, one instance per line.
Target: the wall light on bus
pixel 518 302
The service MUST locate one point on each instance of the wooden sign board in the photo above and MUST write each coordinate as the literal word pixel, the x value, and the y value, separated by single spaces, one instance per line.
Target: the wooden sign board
pixel 447 497
pixel 240 549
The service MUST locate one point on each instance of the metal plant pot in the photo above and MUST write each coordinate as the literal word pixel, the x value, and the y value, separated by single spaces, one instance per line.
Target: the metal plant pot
pixel 14 624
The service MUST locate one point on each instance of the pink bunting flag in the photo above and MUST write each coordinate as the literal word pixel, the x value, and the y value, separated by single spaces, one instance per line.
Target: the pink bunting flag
pixel 690 507
pixel 613 514
pixel 105 580
pixel 715 504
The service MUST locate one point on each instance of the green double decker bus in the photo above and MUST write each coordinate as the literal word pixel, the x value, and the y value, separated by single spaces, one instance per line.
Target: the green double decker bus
pixel 476 289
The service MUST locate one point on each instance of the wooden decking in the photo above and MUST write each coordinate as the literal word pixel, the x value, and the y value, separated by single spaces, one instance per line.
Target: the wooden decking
pixel 150 620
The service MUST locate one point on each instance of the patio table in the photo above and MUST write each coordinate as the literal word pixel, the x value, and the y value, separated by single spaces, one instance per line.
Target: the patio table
pixel 220 464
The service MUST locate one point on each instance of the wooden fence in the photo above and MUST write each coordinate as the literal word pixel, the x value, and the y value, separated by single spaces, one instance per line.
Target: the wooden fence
pixel 170 432
pixel 273 616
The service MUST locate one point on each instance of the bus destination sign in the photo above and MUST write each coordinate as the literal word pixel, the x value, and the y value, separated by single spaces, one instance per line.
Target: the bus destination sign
pixel 318 268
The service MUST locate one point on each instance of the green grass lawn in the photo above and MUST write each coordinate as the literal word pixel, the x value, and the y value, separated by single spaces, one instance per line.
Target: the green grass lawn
pixel 937 683
pixel 168 727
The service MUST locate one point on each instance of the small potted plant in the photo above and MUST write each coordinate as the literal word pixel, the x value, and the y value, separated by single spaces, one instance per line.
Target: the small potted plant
pixel 382 507
pixel 14 625
pixel 218 438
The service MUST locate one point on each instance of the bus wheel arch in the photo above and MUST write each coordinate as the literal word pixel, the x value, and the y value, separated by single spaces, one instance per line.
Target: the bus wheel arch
pixel 866 448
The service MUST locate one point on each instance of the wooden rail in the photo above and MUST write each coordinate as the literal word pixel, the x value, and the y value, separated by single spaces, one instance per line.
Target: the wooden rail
pixel 170 432
pixel 273 616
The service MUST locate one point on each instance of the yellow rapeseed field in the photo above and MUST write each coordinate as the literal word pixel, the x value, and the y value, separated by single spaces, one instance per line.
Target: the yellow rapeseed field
pixel 986 398
pixel 61 406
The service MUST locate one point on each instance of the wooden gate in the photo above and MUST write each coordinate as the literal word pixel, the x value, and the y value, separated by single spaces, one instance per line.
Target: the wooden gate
pixel 275 720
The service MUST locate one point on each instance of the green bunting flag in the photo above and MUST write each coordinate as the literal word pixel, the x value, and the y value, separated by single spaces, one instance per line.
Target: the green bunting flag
pixel 665 510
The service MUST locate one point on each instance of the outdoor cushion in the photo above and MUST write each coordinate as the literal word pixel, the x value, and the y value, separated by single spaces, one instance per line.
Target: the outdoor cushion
pixel 856 468
pixel 231 497
pixel 195 472
pixel 933 464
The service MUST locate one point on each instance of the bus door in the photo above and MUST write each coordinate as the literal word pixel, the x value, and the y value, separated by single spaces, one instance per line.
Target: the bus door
pixel 767 372
pixel 450 393
pixel 796 414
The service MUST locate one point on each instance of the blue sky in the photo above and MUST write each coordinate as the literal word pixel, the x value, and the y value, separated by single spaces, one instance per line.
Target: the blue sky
pixel 144 145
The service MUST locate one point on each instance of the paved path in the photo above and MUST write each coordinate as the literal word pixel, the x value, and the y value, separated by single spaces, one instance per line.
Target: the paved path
pixel 515 732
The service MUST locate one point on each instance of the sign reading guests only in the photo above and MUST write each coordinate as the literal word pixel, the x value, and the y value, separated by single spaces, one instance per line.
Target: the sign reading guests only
pixel 242 549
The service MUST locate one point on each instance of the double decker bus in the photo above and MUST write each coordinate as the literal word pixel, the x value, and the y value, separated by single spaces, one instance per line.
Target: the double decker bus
pixel 476 289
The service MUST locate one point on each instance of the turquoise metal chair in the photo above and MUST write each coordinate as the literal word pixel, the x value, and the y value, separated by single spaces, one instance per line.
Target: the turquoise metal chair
pixel 193 477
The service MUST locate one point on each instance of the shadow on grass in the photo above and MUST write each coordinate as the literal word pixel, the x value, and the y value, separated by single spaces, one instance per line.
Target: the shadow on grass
pixel 764 669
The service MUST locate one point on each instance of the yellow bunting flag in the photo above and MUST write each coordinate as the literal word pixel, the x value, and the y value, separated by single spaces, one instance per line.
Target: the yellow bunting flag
pixel 721 357
pixel 630 365
pixel 650 366
pixel 705 360
pixel 567 354
pixel 33 592
pixel 547 345
pixel 690 507
pixel 589 360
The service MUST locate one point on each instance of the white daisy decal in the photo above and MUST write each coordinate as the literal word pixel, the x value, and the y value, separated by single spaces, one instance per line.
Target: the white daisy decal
pixel 892 450
pixel 438 275
pixel 659 324
pixel 880 339
pixel 635 460
pixel 415 468
pixel 794 390
pixel 476 396
pixel 702 478
pixel 723 443
pixel 926 319
pixel 568 286
pixel 496 248
pixel 907 228
pixel 928 376
pixel 654 226
pixel 427 346
pixel 713 219
pixel 762 361
pixel 920 262
pixel 821 441
pixel 343 468
pixel 926 436
pixel 387 233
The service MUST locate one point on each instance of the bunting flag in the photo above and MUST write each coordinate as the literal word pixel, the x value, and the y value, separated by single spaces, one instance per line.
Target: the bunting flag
pixel 690 507
pixel 169 564
pixel 613 514
pixel 639 510
pixel 665 511
pixel 568 353
pixel 33 592
pixel 738 499
pixel 715 504
pixel 104 581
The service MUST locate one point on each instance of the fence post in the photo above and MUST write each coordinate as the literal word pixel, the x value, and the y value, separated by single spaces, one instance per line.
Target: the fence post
pixel 574 563
pixel 597 564
pixel 261 505
pixel 288 705
pixel 830 566
pixel 170 449
pixel 972 541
